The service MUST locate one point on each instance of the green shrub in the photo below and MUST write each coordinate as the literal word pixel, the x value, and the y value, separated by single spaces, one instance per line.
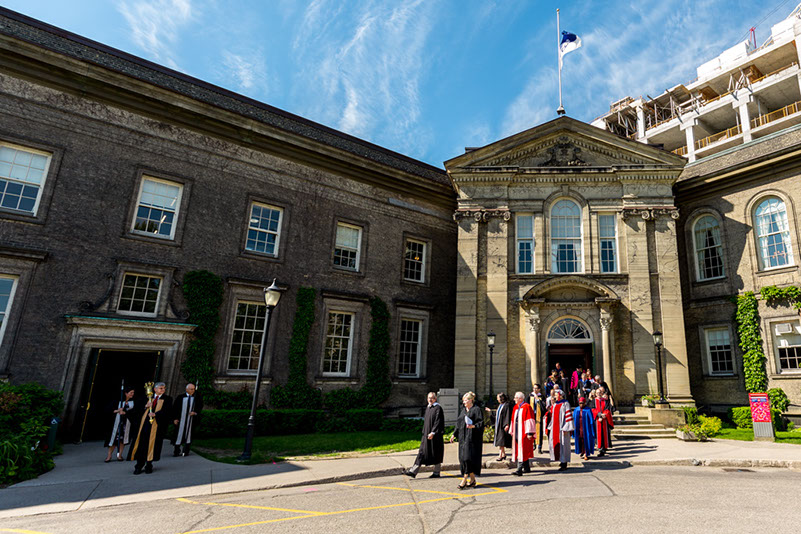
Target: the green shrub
pixel 341 400
pixel 741 417
pixel 778 399
pixel 690 415
pixel 229 423
pixel 228 400
pixel 711 426
pixel 489 434
pixel 203 291
pixel 404 424
pixel 364 419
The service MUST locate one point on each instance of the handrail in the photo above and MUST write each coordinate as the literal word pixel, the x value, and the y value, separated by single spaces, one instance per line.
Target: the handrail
pixel 681 151
pixel 790 66
pixel 725 134
pixel 786 111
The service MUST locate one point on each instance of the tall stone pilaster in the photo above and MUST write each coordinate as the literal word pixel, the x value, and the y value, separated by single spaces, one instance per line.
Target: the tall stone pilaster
pixel 464 377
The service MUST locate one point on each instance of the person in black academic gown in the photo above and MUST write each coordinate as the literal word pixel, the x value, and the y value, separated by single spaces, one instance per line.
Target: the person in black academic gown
pixel 470 434
pixel 149 439
pixel 119 426
pixel 503 418
pixel 432 448
pixel 185 411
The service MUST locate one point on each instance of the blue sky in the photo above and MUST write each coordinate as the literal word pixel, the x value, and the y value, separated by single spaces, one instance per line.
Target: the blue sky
pixel 423 77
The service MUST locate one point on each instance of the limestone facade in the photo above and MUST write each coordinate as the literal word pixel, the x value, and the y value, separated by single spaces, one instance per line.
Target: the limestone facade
pixel 535 211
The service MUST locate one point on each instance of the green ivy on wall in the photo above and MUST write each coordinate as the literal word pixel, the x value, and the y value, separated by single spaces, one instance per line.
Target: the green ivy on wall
pixel 297 391
pixel 378 384
pixel 203 292
pixel 748 330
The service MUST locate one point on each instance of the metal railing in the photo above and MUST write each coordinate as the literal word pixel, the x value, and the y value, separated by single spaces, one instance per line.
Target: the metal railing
pixel 681 151
pixel 725 134
pixel 777 71
pixel 786 111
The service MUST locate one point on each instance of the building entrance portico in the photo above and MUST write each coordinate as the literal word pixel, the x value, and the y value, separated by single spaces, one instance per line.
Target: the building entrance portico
pixel 570 344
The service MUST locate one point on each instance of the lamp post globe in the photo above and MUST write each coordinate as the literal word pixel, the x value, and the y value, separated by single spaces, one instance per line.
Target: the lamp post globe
pixel 272 295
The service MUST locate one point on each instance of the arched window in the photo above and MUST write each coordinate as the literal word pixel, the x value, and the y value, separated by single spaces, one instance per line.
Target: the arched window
pixel 565 237
pixel 708 248
pixel 773 233
pixel 569 331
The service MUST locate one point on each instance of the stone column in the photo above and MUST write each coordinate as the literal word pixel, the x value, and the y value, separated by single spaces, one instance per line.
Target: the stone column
pixel 497 298
pixel 689 136
pixel 532 315
pixel 464 373
pixel 609 373
pixel 741 107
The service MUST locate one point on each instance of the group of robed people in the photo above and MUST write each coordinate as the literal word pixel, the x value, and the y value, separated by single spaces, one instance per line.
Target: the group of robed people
pixel 144 423
pixel 522 427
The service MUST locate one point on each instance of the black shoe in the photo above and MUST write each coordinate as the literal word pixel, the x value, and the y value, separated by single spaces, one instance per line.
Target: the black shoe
pixel 148 469
pixel 138 471
pixel 562 467
pixel 176 452
pixel 517 473
pixel 539 451
pixel 408 473
pixel 434 475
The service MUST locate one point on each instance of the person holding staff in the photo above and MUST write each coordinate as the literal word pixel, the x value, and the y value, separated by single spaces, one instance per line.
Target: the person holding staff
pixel 470 434
pixel 155 418
pixel 120 434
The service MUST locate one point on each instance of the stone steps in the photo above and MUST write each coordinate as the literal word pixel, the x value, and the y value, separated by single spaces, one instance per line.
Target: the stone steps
pixel 631 426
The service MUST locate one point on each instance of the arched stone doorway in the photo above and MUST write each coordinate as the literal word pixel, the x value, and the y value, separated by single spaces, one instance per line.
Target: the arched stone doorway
pixel 569 342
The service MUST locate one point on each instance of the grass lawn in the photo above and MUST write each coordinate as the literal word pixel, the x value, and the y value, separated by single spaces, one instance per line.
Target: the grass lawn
pixel 746 434
pixel 276 448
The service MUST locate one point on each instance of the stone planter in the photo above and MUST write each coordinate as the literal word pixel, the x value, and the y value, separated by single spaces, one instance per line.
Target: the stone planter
pixel 647 403
pixel 689 436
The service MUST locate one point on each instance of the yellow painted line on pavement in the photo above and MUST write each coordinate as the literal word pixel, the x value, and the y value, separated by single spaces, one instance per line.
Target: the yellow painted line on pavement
pixel 400 489
pixel 21 531
pixel 234 505
pixel 214 529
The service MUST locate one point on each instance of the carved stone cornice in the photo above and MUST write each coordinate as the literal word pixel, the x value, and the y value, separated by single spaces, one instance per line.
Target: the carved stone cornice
pixel 88 305
pixel 651 213
pixel 482 215
pixel 606 323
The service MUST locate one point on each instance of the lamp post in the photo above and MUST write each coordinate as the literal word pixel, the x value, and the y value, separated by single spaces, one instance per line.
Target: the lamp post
pixel 272 295
pixel 491 345
pixel 658 344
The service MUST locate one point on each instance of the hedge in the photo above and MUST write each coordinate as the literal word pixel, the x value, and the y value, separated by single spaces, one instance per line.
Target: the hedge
pixel 278 422
pixel 741 417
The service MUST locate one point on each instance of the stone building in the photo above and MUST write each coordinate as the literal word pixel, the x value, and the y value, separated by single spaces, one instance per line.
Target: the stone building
pixel 118 176
pixel 567 252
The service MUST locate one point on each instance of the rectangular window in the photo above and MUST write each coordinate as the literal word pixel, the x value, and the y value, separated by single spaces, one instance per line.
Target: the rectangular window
pixel 246 339
pixel 525 244
pixel 22 175
pixel 264 229
pixel 718 347
pixel 139 294
pixel 409 348
pixel 788 343
pixel 338 344
pixel 414 261
pixel 607 230
pixel 7 287
pixel 157 210
pixel 348 246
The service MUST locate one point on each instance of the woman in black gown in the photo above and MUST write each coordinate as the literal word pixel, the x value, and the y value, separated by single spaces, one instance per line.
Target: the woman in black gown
pixel 470 434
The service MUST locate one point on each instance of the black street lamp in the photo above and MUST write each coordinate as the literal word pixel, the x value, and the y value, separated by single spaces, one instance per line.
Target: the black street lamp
pixel 491 345
pixel 272 295
pixel 658 344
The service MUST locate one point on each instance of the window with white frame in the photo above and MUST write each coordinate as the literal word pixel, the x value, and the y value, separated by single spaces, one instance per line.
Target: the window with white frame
pixel 718 351
pixel 139 294
pixel 566 237
pixel 22 176
pixel 773 233
pixel 246 337
pixel 525 244
pixel 348 246
pixel 157 209
pixel 338 344
pixel 708 248
pixel 414 261
pixel 607 232
pixel 8 285
pixel 264 229
pixel 410 347
pixel 787 337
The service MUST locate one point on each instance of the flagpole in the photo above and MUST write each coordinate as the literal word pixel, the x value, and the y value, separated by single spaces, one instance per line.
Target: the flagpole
pixel 560 110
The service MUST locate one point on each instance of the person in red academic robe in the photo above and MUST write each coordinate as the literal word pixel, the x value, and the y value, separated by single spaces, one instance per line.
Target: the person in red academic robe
pixel 522 431
pixel 560 428
pixel 602 411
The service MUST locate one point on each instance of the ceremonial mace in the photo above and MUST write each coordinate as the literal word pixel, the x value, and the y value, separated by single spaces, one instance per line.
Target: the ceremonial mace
pixel 149 392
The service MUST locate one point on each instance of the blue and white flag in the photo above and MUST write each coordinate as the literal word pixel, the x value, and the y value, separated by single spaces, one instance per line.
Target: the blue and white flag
pixel 570 42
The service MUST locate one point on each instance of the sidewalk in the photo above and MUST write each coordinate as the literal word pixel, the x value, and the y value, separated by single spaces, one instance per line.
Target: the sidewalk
pixel 82 481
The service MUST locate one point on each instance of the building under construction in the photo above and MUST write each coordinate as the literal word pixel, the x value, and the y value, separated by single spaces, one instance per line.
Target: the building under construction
pixel 746 92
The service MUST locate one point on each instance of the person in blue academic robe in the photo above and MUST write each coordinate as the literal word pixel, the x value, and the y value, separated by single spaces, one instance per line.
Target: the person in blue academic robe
pixel 584 432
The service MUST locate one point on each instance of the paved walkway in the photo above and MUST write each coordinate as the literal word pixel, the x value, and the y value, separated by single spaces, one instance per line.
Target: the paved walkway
pixel 82 481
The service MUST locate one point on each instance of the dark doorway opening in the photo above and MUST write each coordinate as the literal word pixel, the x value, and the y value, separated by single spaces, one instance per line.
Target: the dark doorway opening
pixel 105 373
pixel 570 356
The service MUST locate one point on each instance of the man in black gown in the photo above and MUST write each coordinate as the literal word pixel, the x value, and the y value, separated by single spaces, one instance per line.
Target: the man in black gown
pixel 432 448
pixel 186 408
pixel 153 423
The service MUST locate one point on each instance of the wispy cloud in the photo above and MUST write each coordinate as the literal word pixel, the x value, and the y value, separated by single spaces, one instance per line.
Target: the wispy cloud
pixel 367 67
pixel 247 71
pixel 155 25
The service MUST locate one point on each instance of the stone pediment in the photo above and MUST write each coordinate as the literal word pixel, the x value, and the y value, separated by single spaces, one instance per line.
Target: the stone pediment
pixel 565 143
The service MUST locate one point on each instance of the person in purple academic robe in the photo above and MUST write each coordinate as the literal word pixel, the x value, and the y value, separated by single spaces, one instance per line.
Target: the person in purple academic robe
pixel 584 432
